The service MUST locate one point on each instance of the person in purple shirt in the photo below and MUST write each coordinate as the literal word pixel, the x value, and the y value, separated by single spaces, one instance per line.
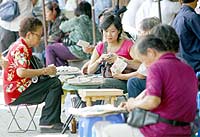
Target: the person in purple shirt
pixel 187 26
pixel 171 91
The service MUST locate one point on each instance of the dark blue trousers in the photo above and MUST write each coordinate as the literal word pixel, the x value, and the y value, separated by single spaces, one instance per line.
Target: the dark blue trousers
pixel 135 86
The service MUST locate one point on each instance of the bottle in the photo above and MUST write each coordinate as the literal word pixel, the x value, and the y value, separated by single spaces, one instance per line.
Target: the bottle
pixel 73 126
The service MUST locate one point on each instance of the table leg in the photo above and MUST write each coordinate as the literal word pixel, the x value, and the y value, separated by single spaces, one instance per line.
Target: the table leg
pixel 113 100
pixel 88 101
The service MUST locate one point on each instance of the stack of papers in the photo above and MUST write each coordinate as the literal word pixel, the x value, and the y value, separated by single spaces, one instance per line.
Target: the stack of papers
pixel 96 110
pixel 62 70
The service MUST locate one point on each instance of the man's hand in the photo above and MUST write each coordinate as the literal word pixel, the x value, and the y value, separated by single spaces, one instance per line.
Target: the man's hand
pixel 50 70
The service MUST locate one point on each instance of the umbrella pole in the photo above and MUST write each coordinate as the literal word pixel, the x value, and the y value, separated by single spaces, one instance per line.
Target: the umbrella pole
pixel 44 22
pixel 159 11
pixel 93 24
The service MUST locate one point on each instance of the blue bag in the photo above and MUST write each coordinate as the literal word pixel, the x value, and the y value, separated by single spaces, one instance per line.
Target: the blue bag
pixel 9 10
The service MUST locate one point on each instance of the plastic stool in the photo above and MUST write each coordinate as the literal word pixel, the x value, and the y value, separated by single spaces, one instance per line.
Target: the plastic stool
pixel 86 123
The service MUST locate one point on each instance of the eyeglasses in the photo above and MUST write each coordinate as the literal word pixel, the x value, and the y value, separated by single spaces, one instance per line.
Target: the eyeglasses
pixel 38 35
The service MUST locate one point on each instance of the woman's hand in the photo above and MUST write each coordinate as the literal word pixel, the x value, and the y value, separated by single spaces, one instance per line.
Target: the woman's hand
pixel 85 67
pixel 88 49
pixel 102 58
pixel 111 58
pixel 118 76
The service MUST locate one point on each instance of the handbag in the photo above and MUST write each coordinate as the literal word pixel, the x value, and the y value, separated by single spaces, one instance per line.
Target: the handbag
pixel 140 117
pixel 9 10
pixel 104 67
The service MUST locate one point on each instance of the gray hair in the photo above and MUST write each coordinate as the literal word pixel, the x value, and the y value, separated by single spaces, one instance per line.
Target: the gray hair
pixel 148 23
pixel 168 35
pixel 150 41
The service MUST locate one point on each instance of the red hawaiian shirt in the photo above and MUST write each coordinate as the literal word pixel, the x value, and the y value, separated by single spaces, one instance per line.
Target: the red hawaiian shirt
pixel 18 57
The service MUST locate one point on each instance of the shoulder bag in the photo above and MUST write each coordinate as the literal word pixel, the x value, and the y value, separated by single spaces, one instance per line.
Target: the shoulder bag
pixel 140 117
pixel 104 67
pixel 9 10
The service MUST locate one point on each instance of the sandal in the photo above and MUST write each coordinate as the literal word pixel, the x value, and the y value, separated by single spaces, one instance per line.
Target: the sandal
pixel 55 128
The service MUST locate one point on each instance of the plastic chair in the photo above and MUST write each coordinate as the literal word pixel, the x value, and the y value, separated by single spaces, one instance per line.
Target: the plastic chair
pixel 31 114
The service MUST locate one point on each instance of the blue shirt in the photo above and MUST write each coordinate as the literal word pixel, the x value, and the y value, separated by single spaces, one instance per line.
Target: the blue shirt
pixel 187 26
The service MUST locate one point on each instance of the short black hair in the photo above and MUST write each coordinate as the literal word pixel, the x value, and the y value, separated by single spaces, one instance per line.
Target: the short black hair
pixel 51 5
pixel 187 1
pixel 168 35
pixel 150 41
pixel 83 8
pixel 29 24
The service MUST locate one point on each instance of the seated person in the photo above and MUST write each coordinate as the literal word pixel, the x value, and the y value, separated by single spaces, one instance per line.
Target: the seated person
pixel 164 94
pixel 54 19
pixel 117 46
pixel 78 28
pixel 169 36
pixel 137 80
pixel 17 78
pixel 89 49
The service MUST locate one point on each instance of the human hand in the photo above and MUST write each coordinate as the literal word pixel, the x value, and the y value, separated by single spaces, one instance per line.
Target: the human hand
pixel 111 58
pixel 101 58
pixel 88 49
pixel 3 61
pixel 117 75
pixel 50 70
pixel 122 105
pixel 84 68
pixel 130 104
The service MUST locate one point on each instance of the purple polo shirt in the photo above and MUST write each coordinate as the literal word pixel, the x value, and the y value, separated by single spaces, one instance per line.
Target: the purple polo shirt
pixel 176 84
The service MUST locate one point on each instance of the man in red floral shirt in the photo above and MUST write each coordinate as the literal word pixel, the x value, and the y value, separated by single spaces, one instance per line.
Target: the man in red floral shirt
pixel 17 78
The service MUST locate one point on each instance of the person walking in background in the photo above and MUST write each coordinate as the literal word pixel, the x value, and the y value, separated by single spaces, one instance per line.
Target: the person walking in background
pixel 128 19
pixel 9 30
pixel 187 27
pixel 18 84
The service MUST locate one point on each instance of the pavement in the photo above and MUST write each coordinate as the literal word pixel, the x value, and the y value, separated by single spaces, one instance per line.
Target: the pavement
pixel 5 118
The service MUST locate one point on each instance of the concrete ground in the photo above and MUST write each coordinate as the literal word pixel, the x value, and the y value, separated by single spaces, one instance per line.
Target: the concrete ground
pixel 5 118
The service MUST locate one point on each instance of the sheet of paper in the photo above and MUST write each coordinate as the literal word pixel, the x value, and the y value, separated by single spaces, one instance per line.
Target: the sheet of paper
pixel 118 66
pixel 83 43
